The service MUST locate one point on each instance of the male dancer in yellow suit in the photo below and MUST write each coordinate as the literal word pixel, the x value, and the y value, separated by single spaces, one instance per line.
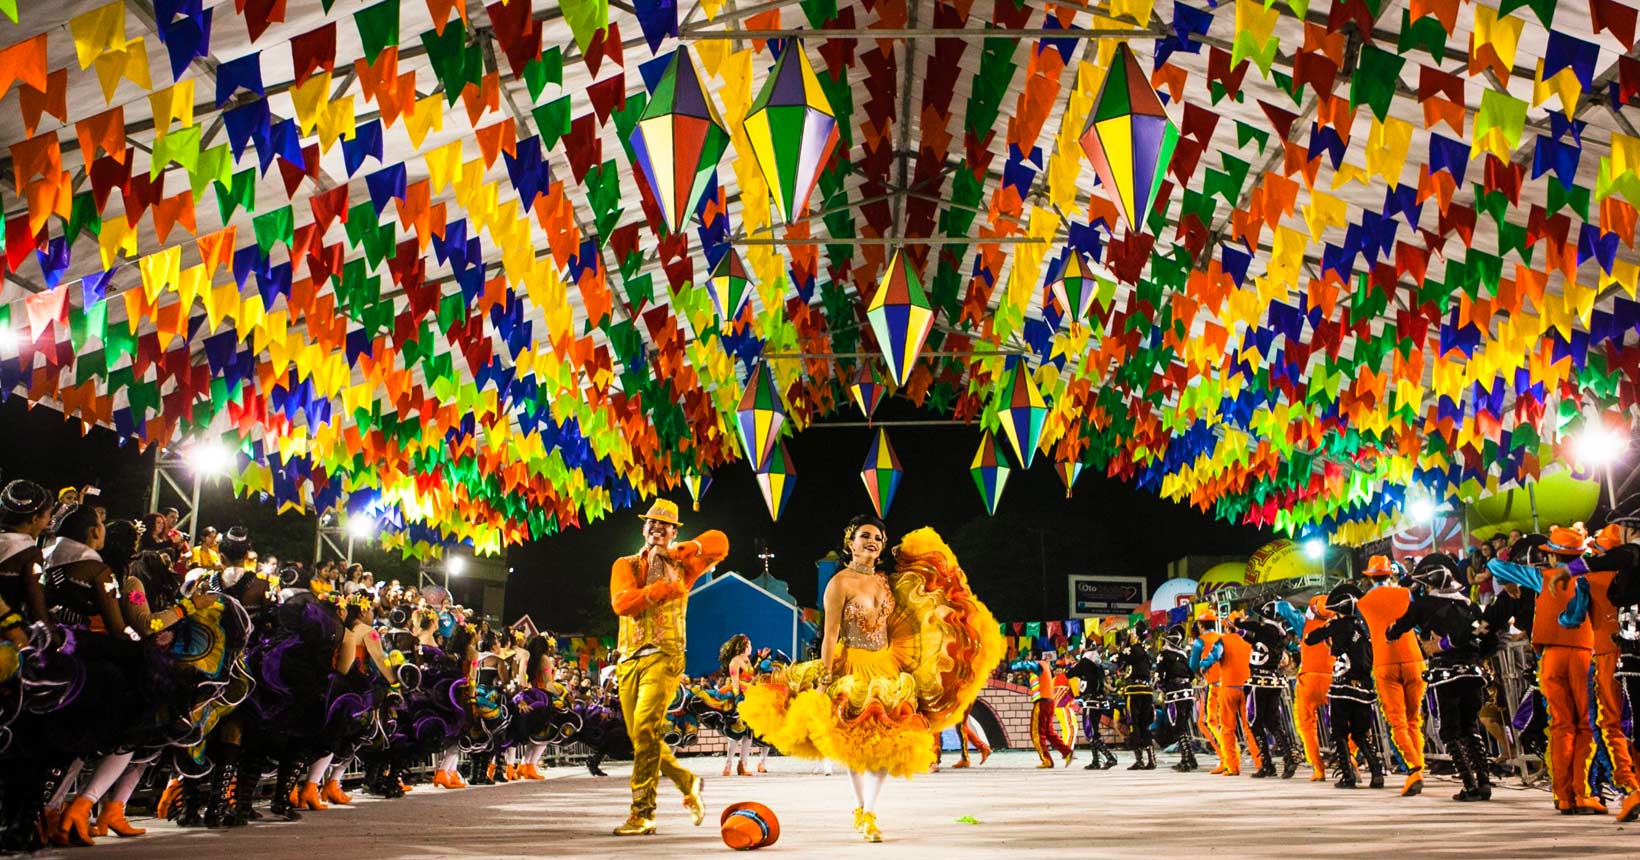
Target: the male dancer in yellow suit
pixel 650 593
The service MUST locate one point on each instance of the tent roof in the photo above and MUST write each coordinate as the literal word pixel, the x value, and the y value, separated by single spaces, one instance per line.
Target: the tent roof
pixel 1384 253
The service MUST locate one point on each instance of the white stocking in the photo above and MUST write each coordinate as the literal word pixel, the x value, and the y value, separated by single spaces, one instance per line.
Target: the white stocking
pixel 336 771
pixel 452 757
pixel 536 751
pixel 107 772
pixel 873 787
pixel 316 773
pixel 128 783
pixel 763 756
pixel 61 794
pixel 857 780
pixel 510 756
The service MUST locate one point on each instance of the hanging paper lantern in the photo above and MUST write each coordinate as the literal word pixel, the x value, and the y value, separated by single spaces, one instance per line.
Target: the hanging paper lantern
pixel 760 417
pixel 1068 472
pixel 881 472
pixel 793 131
pixel 990 471
pixel 778 481
pixel 698 483
pixel 727 286
pixel 868 390
pixel 1075 287
pixel 1022 411
pixel 679 140
pixel 900 316
pixel 1129 138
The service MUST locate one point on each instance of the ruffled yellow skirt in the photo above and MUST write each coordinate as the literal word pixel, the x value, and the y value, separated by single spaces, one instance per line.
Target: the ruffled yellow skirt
pixel 883 709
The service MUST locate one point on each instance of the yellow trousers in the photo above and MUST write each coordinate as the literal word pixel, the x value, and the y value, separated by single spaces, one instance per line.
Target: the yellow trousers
pixel 647 686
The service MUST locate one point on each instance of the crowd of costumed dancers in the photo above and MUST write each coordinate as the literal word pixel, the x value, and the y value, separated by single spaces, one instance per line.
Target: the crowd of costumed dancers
pixel 242 688
pixel 1414 644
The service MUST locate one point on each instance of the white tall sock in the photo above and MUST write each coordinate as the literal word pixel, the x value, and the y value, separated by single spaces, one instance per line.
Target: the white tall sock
pixel 316 773
pixel 452 758
pixel 857 781
pixel 107 772
pixel 128 783
pixel 873 787
pixel 763 755
pixel 337 768
pixel 61 794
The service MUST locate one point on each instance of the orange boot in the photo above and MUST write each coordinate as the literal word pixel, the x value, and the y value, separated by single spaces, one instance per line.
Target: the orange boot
pixel 49 819
pixel 452 779
pixel 310 797
pixel 111 818
pixel 168 799
pixel 533 772
pixel 76 824
pixel 333 793
pixel 512 773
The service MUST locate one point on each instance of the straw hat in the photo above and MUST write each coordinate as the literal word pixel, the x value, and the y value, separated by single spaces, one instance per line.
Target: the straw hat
pixel 748 824
pixel 662 511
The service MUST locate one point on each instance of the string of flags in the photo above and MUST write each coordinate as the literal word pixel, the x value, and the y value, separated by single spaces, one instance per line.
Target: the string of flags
pixel 483 272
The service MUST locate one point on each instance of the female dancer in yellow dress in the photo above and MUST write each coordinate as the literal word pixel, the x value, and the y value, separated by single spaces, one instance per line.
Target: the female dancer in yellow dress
pixel 904 654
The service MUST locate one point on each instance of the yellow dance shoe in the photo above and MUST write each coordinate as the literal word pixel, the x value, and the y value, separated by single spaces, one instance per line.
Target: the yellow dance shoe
pixel 635 826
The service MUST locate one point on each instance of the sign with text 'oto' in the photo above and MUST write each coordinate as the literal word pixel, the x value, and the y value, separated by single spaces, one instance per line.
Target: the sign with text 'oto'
pixel 1106 595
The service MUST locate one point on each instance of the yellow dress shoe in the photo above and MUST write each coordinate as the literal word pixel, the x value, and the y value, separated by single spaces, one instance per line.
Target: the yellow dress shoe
pixel 868 826
pixel 635 826
pixel 692 801
pixel 859 819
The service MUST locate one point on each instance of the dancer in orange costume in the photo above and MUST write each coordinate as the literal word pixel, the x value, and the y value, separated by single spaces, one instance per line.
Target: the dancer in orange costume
pixel 650 593
pixel 1236 668
pixel 1397 668
pixel 1315 668
pixel 1205 654
pixel 1612 578
pixel 1608 690
pixel 1564 655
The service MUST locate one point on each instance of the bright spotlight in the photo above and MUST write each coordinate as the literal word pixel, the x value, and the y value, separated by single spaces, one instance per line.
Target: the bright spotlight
pixel 361 528
pixel 1315 548
pixel 455 564
pixel 9 341
pixel 1421 510
pixel 210 458
pixel 1598 446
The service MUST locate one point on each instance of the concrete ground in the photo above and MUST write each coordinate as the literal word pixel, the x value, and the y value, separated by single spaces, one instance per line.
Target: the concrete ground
pixel 1015 807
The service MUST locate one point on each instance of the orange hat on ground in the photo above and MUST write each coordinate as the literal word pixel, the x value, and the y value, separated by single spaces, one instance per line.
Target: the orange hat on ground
pixel 1379 565
pixel 748 824
pixel 1567 541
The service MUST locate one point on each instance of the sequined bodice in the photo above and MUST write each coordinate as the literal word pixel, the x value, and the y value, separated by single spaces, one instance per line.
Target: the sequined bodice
pixel 865 624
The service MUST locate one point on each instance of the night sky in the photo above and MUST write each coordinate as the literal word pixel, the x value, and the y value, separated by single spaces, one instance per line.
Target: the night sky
pixel 1106 528
pixel 1017 560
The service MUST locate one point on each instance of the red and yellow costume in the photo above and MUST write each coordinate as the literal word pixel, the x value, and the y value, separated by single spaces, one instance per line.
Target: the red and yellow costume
pixel 1044 725
pixel 1397 669
pixel 652 608
pixel 1315 668
pixel 878 712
